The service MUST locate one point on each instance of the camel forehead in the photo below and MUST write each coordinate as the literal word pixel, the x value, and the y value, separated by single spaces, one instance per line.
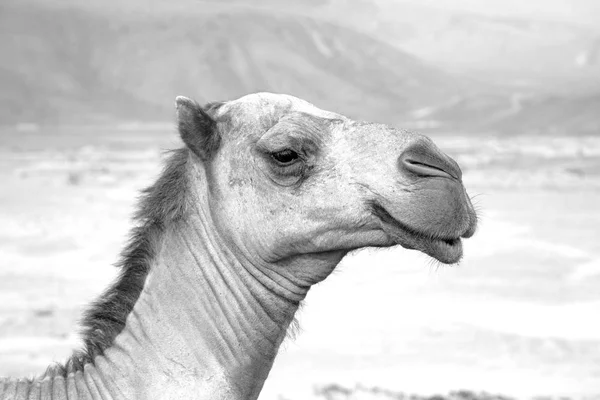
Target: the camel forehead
pixel 273 103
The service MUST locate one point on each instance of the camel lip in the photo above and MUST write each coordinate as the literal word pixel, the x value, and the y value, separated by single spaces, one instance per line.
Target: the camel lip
pixel 447 250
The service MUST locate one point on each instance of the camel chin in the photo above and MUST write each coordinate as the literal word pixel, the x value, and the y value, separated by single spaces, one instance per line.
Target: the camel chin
pixel 447 251
pixel 443 244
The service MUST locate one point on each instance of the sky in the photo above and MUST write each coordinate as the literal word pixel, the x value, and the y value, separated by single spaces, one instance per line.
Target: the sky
pixel 586 12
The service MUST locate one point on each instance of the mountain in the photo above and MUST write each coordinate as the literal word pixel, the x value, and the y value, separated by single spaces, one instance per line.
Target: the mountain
pixel 535 43
pixel 66 63
pixel 511 50
pixel 420 67
pixel 516 113
pixel 575 115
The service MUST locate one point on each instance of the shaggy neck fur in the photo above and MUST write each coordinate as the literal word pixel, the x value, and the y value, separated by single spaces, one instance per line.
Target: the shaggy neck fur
pixel 186 319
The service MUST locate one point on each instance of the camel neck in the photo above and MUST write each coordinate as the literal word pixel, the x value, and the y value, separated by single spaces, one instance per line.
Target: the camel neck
pixel 205 325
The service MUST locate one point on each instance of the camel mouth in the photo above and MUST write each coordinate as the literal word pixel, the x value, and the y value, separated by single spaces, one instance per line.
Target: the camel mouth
pixel 447 250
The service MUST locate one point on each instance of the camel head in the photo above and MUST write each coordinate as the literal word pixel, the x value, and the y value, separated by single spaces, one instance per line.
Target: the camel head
pixel 294 187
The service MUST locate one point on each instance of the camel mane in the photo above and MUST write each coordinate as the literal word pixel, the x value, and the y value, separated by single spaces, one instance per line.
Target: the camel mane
pixel 163 202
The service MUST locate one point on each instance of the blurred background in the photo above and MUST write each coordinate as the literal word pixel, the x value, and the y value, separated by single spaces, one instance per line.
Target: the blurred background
pixel 510 89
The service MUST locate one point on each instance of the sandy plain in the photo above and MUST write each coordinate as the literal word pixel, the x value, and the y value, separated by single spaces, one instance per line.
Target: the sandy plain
pixel 519 315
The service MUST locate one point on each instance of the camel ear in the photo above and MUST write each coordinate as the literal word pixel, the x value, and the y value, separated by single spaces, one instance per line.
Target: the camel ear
pixel 197 129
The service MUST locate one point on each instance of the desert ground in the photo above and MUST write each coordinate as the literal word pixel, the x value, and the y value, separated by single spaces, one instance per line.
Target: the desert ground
pixel 518 316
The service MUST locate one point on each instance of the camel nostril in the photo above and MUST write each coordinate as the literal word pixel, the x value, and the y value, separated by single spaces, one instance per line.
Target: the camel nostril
pixel 424 159
pixel 423 169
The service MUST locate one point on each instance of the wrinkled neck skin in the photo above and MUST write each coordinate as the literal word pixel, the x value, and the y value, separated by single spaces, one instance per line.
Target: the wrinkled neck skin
pixel 208 323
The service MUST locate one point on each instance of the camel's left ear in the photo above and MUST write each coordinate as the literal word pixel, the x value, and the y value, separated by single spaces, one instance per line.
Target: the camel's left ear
pixel 198 130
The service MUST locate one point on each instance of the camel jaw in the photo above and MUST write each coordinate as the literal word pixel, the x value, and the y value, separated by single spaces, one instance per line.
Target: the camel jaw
pixel 447 250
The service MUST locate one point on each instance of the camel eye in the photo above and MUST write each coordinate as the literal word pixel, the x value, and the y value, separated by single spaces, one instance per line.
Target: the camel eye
pixel 286 156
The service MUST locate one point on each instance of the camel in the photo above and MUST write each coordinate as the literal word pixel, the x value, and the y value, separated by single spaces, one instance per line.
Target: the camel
pixel 267 196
